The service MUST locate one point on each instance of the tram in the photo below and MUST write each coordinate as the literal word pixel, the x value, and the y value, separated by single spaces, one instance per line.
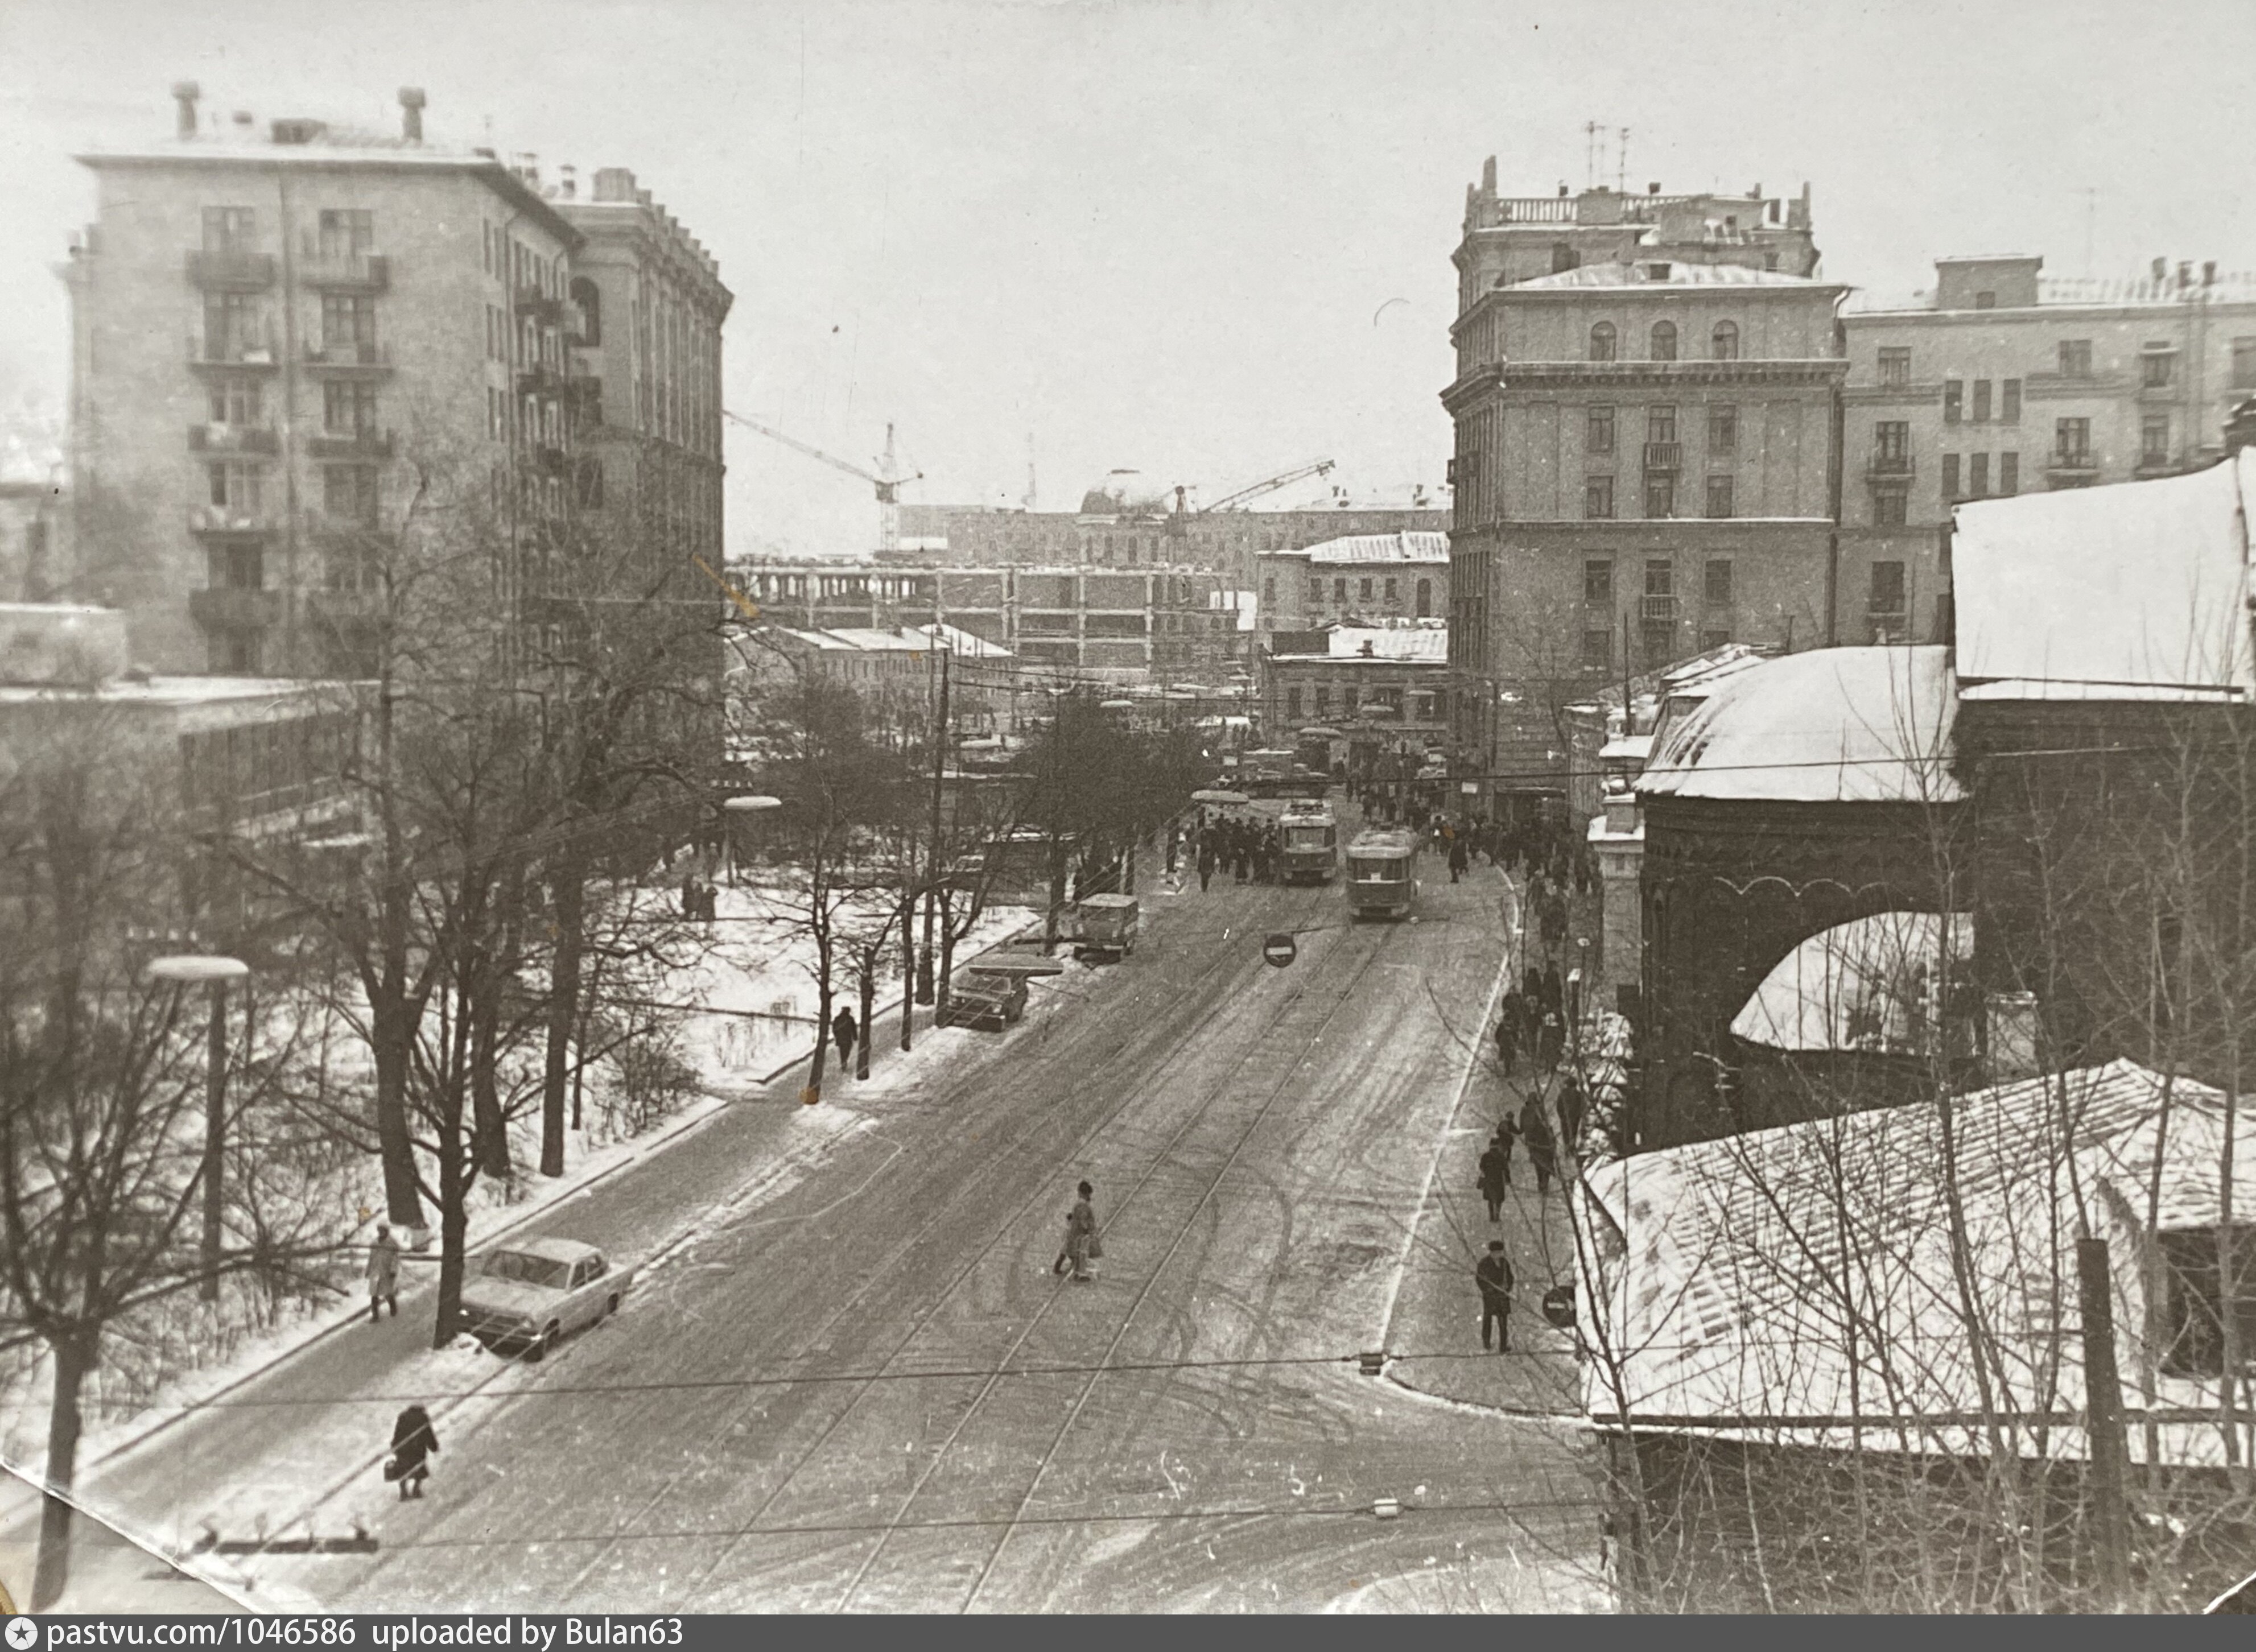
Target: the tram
pixel 1379 874
pixel 1311 843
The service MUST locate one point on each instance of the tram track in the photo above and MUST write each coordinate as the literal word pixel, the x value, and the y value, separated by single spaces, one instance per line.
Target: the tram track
pixel 1041 1071
pixel 1340 997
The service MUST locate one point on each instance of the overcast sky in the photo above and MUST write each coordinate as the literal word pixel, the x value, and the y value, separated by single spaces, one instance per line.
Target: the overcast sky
pixel 1160 236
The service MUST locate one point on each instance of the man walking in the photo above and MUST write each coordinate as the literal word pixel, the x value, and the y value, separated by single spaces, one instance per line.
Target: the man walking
pixel 1504 1139
pixel 1491 1179
pixel 1460 857
pixel 382 1275
pixel 1507 1032
pixel 1206 859
pixel 1081 1243
pixel 1542 1151
pixel 1494 1275
pixel 844 1030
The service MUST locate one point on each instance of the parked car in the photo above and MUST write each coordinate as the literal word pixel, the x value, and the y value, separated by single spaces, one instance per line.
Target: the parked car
pixel 529 1292
pixel 985 999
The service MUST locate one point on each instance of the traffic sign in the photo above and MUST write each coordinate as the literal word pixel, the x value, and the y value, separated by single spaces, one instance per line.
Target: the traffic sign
pixel 1279 949
pixel 1558 1306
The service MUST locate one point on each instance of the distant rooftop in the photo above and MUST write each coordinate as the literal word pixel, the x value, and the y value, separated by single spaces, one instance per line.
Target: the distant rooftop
pixel 1667 272
pixel 1416 547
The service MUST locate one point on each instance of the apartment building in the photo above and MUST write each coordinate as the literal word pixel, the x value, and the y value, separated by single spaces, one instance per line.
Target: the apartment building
pixel 1644 463
pixel 646 394
pixel 2001 380
pixel 289 340
pixel 1351 580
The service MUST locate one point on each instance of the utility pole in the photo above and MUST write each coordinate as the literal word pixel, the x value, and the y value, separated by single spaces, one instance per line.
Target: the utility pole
pixel 2102 1410
pixel 933 872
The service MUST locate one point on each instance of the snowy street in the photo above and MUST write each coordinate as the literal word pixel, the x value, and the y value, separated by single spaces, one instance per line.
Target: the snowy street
pixel 852 1380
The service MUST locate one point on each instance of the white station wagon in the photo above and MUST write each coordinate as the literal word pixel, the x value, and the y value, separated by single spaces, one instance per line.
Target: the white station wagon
pixel 529 1292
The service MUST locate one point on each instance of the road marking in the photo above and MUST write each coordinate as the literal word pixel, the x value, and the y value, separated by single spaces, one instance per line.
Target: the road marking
pixel 1441 1141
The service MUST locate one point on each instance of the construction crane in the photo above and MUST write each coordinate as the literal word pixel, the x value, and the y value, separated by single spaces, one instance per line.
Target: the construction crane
pixel 1323 467
pixel 887 478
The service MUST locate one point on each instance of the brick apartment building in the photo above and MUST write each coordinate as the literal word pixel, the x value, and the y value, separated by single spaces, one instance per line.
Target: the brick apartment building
pixel 1358 577
pixel 1645 452
pixel 2001 380
pixel 275 334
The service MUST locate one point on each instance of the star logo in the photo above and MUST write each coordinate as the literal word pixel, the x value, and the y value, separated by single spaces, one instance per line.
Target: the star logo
pixel 22 1634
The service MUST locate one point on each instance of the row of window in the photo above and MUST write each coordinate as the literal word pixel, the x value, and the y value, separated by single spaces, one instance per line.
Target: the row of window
pixel 341 232
pixel 1720 503
pixel 1661 430
pixel 1424 703
pixel 2157 371
pixel 1366 591
pixel 1718 586
pixel 1660 341
pixel 349 492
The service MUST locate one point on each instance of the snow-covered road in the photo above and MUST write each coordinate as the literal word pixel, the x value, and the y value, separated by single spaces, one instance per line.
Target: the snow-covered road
pixel 854 1381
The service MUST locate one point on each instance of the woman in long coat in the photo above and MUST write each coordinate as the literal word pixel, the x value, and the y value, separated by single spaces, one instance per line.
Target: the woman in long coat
pixel 1081 1234
pixel 412 1440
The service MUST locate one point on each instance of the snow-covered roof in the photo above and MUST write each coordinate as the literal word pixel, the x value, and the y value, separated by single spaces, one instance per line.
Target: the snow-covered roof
pixel 1865 985
pixel 1679 274
pixel 910 639
pixel 1417 546
pixel 1729 1260
pixel 1419 644
pixel 1835 725
pixel 2140 584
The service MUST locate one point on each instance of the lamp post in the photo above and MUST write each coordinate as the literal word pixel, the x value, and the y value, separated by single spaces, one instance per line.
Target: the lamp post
pixel 743 805
pixel 184 970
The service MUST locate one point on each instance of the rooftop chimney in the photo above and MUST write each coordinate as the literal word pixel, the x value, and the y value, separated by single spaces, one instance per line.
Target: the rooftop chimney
pixel 2185 273
pixel 614 183
pixel 1653 189
pixel 2162 269
pixel 185 93
pixel 411 113
pixel 2209 272
pixel 568 183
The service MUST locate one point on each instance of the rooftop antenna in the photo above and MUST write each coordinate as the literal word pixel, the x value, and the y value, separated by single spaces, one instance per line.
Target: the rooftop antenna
pixel 1621 163
pixel 1030 471
pixel 1591 146
pixel 2090 216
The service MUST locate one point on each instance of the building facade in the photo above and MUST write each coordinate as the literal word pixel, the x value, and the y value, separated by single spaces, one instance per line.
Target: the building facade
pixel 1375 686
pixel 1646 460
pixel 292 348
pixel 1354 579
pixel 1126 624
pixel 1122 525
pixel 2001 380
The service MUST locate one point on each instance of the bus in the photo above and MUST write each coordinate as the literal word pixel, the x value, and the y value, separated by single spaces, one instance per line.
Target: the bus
pixel 1311 843
pixel 1379 874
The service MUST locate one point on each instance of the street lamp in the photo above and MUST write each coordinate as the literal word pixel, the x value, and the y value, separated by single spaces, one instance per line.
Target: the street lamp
pixel 184 970
pixel 744 803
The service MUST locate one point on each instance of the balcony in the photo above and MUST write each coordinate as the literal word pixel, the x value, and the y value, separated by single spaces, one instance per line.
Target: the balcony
pixel 1889 624
pixel 366 531
pixel 548 382
pixel 348 272
pixel 232 354
pixel 1888 467
pixel 583 401
pixel 229 608
pixel 361 444
pixel 233 439
pixel 230 271
pixel 1666 456
pixel 548 460
pixel 2074 461
pixel 213 521
pixel 533 302
pixel 2164 464
pixel 353 355
pixel 1657 609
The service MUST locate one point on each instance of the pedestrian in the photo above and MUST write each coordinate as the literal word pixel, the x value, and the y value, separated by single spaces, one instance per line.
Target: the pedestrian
pixel 1550 1042
pixel 689 894
pixel 1206 860
pixel 1491 1179
pixel 413 1441
pixel 1082 1244
pixel 1494 1276
pixel 1507 1033
pixel 1573 1104
pixel 1542 1151
pixel 1506 1138
pixel 844 1030
pixel 382 1274
pixel 1555 993
pixel 1174 847
pixel 1460 857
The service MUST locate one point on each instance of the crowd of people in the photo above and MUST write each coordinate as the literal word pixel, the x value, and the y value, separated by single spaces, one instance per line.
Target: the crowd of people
pixel 1249 851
